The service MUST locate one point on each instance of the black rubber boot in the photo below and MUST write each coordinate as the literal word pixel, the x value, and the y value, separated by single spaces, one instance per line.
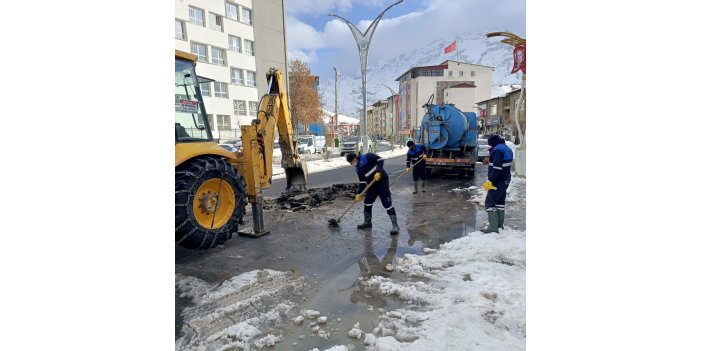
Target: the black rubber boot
pixel 395 228
pixel 416 185
pixel 501 219
pixel 368 216
pixel 423 186
pixel 492 223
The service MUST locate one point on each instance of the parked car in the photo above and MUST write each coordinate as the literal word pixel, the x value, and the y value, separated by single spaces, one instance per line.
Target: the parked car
pixel 483 149
pixel 353 144
pixel 230 147
pixel 349 145
pixel 383 142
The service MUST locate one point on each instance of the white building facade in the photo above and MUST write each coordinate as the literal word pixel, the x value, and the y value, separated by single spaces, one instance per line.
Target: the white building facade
pixel 221 34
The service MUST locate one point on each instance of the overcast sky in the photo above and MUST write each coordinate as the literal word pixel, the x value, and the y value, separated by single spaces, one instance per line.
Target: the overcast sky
pixel 324 42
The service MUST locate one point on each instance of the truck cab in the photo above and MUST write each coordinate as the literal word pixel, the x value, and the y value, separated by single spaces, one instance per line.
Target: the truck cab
pixel 306 145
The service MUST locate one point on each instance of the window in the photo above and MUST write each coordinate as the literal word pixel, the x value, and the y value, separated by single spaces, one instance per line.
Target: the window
pixel 224 122
pixel 231 11
pixel 209 120
pixel 450 73
pixel 200 50
pixel 472 73
pixel 216 22
pixel 205 89
pixel 240 107
pixel 197 16
pixel 248 47
pixel 460 73
pixel 237 76
pixel 219 56
pixel 253 108
pixel 251 79
pixel 180 29
pixel 235 44
pixel 493 110
pixel 246 16
pixel 221 90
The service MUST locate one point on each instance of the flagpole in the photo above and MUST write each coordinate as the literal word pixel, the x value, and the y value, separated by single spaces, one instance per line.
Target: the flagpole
pixel 456 41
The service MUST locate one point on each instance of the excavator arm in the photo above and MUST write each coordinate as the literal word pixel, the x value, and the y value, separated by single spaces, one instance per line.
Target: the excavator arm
pixel 257 142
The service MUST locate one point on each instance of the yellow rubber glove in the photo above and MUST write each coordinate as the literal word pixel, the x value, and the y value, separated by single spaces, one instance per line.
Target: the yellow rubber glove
pixel 358 197
pixel 377 176
pixel 407 170
pixel 424 156
pixel 488 186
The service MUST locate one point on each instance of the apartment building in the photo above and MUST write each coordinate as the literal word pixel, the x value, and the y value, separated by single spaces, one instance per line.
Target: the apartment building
pixel 222 33
pixel 458 83
pixel 497 115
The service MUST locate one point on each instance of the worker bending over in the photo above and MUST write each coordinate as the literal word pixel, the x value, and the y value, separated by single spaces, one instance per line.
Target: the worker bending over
pixel 369 166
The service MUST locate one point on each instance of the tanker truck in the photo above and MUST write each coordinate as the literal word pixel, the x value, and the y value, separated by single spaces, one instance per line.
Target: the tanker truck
pixel 451 139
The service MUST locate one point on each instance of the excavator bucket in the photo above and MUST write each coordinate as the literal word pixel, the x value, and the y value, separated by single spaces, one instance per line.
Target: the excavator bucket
pixel 296 177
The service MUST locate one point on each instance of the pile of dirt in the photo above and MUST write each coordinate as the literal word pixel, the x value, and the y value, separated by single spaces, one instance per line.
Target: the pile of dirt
pixel 305 200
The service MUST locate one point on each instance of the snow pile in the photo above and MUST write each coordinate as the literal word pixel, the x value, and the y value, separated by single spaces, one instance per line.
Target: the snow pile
pixel 516 192
pixel 474 297
pixel 238 314
pixel 335 162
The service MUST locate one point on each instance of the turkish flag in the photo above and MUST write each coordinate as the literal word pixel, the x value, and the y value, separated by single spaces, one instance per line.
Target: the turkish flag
pixel 450 48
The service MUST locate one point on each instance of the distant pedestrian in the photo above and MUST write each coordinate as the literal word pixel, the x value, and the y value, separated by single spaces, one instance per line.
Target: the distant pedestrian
pixel 499 176
pixel 369 167
pixel 416 153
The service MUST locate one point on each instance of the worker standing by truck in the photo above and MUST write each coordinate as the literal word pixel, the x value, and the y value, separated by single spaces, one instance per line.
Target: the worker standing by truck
pixel 369 167
pixel 417 153
pixel 499 176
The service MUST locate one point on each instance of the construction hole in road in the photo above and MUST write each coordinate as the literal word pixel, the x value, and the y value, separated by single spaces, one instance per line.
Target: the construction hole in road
pixel 297 201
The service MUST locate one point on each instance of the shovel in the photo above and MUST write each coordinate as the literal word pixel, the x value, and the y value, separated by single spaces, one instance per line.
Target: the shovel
pixel 335 221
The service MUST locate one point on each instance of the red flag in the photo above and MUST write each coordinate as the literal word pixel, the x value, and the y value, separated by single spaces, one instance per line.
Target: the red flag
pixel 450 48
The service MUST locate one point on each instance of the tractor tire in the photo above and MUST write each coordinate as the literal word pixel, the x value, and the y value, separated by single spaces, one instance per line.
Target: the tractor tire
pixel 210 198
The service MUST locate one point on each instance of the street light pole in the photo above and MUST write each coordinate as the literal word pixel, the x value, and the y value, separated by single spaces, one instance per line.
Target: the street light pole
pixel 363 41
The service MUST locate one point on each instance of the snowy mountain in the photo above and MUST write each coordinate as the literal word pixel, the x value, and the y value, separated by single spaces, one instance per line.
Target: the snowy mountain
pixel 471 47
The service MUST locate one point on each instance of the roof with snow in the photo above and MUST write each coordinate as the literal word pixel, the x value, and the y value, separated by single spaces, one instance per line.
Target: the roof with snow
pixel 501 91
pixel 342 118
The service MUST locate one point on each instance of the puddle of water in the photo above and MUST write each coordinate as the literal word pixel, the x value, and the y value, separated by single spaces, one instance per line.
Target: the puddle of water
pixel 345 296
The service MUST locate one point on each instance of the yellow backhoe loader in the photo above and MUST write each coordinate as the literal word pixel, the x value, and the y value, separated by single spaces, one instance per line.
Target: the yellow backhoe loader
pixel 214 185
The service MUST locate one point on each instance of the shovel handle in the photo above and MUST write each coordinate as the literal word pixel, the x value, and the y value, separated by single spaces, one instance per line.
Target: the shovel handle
pixel 403 173
pixel 354 200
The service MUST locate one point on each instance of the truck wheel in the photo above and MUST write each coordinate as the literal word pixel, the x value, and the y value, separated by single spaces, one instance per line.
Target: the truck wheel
pixel 471 173
pixel 210 197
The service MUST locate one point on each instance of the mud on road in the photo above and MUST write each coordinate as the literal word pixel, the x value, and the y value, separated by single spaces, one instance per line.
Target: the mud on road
pixel 306 200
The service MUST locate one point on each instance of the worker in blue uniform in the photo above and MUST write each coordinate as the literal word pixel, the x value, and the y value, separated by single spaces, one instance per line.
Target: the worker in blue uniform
pixel 499 176
pixel 417 153
pixel 369 166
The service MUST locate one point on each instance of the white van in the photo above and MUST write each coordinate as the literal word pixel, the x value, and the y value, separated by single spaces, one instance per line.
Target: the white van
pixel 311 144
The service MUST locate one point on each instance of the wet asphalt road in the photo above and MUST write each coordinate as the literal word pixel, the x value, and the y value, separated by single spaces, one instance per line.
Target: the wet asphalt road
pixel 304 243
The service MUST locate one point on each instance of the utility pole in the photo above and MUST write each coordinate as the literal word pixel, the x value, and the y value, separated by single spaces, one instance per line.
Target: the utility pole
pixel 363 42
pixel 392 104
pixel 336 101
